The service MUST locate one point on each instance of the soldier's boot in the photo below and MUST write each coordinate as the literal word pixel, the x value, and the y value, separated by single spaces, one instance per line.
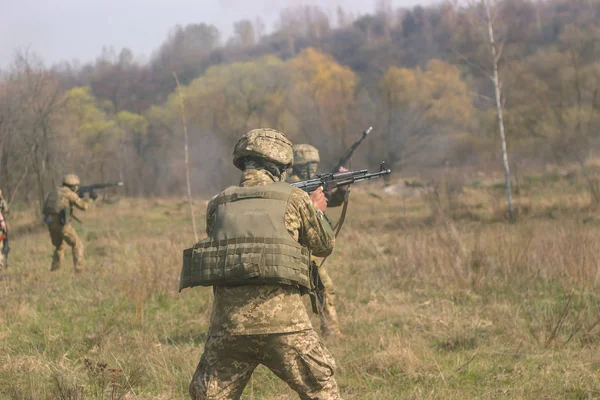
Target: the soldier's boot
pixel 57 258
pixel 78 258
pixel 329 320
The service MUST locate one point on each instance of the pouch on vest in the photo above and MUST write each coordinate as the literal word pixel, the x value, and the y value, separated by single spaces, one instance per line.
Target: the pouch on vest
pixel 249 243
pixel 54 205
pixel 247 261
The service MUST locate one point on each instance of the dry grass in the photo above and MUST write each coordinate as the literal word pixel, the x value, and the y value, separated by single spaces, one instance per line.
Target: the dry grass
pixel 433 308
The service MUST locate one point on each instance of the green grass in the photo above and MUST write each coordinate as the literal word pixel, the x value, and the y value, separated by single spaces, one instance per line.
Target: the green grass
pixel 431 309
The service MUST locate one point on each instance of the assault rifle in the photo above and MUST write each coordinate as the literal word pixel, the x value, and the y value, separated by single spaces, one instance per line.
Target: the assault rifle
pixel 348 154
pixel 332 180
pixel 91 189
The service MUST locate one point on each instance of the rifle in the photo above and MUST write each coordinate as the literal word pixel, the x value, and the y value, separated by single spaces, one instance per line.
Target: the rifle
pixel 348 154
pixel 332 180
pixel 96 186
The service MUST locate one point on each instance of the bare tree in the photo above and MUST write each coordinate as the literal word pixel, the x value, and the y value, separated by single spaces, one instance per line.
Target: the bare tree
pixel 496 55
pixel 187 163
pixel 29 104
pixel 407 134
pixel 244 33
pixel 485 12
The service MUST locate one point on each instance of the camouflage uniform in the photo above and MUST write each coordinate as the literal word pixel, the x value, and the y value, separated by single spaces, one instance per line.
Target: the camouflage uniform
pixel 3 205
pixel 306 165
pixel 267 323
pixel 59 226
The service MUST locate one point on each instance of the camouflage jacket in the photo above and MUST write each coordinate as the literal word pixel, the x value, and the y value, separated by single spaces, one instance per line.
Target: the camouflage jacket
pixel 3 207
pixel 335 200
pixel 268 309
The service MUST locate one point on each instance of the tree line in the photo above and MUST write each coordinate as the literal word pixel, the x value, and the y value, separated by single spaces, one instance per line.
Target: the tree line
pixel 420 76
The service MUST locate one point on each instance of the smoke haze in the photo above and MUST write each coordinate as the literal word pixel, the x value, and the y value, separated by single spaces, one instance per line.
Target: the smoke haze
pixel 69 30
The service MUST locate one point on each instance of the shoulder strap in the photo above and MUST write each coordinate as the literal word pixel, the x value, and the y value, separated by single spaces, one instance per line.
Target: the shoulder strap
pixel 338 226
pixel 258 192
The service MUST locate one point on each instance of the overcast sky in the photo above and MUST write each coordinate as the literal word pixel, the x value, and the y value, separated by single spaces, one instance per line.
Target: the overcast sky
pixel 68 30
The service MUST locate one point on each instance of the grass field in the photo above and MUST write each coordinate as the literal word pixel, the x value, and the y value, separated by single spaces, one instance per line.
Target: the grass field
pixel 471 307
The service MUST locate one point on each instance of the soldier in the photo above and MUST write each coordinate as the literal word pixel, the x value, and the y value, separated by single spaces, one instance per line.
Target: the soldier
pixel 58 210
pixel 256 257
pixel 3 205
pixel 306 165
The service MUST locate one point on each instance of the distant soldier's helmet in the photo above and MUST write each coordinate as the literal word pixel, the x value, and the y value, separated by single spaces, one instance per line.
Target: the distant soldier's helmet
pixel 305 153
pixel 71 180
pixel 268 144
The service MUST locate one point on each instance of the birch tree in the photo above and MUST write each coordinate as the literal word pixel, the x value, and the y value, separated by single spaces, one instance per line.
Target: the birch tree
pixel 496 55
pixel 487 19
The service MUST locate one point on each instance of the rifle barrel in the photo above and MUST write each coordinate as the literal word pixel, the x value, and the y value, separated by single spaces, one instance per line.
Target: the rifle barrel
pixel 332 181
pixel 96 186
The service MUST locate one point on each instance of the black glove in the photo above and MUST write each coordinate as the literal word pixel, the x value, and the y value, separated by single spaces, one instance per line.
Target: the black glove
pixel 93 195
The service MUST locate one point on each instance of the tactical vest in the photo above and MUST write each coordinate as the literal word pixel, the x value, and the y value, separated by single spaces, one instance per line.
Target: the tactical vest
pixel 249 244
pixel 54 202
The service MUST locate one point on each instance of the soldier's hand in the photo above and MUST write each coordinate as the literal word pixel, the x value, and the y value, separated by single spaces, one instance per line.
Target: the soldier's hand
pixel 319 200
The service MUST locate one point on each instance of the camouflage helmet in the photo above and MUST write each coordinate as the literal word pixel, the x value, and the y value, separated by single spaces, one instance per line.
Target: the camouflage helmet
pixel 71 180
pixel 264 143
pixel 305 153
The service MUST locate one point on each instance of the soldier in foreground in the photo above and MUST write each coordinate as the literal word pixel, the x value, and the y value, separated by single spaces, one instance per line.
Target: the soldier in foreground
pixel 257 258
pixel 306 166
pixel 58 210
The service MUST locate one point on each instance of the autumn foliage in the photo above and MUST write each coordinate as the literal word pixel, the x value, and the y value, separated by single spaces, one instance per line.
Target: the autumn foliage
pixel 419 76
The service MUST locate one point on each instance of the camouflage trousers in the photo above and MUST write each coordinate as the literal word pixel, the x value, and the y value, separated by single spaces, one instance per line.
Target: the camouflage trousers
pixel 329 319
pixel 299 358
pixel 61 235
